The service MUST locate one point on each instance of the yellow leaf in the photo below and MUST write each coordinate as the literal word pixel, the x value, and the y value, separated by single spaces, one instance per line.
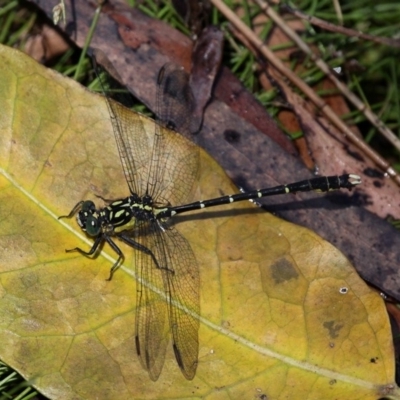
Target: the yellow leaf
pixel 283 313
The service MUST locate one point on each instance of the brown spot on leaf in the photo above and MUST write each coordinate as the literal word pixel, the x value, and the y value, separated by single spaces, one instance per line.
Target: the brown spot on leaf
pixel 283 270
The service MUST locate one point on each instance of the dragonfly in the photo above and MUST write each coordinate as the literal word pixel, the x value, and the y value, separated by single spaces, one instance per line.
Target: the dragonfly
pixel 160 170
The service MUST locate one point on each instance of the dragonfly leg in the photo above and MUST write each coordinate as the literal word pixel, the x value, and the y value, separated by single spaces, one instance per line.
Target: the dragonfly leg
pixel 73 211
pixel 129 241
pixel 108 201
pixel 120 256
pixel 95 246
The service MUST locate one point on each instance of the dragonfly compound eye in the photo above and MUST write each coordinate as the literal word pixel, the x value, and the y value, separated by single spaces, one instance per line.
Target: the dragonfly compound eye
pixel 87 210
pixel 92 225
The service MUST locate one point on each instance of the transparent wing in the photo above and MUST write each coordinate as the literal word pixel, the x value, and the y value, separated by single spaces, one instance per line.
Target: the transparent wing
pixel 175 100
pixel 168 291
pixel 152 327
pixel 184 306
pixel 173 160
pixel 134 146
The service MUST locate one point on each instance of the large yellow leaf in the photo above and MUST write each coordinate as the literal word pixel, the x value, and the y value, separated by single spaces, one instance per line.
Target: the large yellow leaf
pixel 283 313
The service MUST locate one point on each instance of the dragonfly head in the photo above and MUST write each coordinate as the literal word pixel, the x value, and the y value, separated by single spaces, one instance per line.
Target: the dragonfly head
pixel 88 218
